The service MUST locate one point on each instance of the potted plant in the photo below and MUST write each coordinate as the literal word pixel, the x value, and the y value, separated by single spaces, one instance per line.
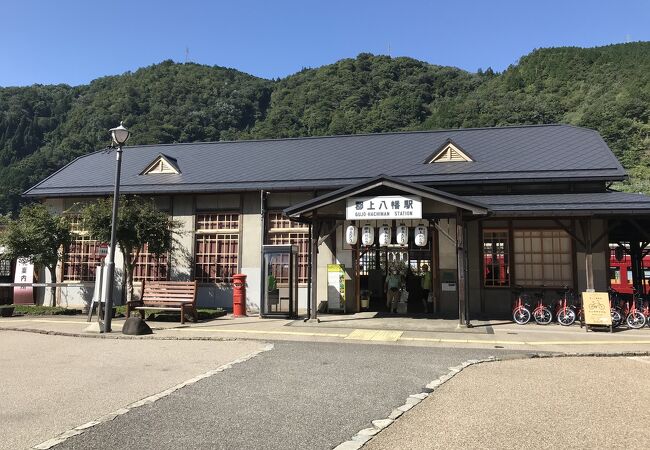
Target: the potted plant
pixel 6 310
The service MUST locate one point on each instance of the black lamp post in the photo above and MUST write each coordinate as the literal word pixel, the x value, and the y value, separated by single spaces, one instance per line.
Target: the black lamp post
pixel 120 135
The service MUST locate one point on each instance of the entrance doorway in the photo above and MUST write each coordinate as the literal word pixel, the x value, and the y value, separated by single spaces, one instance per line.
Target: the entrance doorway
pixel 279 293
pixel 373 263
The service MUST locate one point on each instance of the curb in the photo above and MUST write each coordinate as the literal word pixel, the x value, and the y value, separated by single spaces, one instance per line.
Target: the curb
pixel 359 440
pixel 363 436
pixel 145 401
pixel 118 335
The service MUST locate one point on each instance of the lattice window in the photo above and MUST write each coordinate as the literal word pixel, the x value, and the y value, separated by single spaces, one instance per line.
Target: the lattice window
pixel 543 257
pixel 217 221
pixel 368 261
pixel 150 267
pixel 282 231
pixel 496 258
pixel 81 258
pixel 5 268
pixel 217 247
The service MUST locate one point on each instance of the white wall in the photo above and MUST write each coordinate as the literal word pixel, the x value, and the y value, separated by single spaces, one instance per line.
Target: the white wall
pixel 251 255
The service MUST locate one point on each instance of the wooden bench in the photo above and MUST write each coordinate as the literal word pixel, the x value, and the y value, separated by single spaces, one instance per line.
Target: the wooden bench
pixel 166 296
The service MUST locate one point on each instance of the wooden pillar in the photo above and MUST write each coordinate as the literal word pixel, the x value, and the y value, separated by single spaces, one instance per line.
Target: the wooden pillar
pixel 635 256
pixel 435 268
pixel 314 268
pixel 309 266
pixel 589 264
pixel 462 276
pixel 356 260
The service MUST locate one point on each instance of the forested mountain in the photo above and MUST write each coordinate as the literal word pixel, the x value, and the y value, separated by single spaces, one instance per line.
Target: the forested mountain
pixel 44 127
pixel 605 88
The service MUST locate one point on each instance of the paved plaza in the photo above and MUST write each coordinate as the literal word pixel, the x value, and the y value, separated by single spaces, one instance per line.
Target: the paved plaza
pixel 315 385
pixel 579 403
pixel 53 383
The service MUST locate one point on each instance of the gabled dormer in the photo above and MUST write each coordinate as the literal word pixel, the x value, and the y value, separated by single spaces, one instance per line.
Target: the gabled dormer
pixel 449 151
pixel 162 164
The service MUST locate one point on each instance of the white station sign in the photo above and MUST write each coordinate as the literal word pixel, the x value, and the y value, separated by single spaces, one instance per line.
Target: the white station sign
pixel 384 207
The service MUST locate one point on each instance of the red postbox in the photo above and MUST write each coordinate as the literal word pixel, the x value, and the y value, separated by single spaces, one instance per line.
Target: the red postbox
pixel 239 295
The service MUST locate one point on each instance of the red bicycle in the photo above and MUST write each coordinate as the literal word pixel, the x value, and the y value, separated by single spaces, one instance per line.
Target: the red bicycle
pixel 646 311
pixel 632 312
pixel 521 308
pixel 542 313
pixel 522 311
pixel 565 313
pixel 614 308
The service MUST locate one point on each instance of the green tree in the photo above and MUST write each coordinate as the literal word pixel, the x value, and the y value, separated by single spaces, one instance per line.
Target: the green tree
pixel 139 222
pixel 38 236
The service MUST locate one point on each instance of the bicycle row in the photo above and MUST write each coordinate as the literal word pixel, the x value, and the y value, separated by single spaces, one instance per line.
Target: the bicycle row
pixel 634 311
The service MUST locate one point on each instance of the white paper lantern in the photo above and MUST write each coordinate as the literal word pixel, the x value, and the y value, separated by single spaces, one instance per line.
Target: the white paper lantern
pixel 351 235
pixel 367 235
pixel 402 235
pixel 420 236
pixel 384 235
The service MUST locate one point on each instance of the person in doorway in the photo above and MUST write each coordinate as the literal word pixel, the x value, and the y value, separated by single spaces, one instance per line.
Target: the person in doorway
pixel 391 289
pixel 426 288
pixel 273 292
pixel 272 283
pixel 414 288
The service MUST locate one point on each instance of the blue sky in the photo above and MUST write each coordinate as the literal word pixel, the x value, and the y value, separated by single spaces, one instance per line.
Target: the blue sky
pixel 75 41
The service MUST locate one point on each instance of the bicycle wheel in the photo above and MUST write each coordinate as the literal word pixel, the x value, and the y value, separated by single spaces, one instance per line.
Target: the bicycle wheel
pixel 543 315
pixel 635 320
pixel 521 315
pixel 617 318
pixel 566 317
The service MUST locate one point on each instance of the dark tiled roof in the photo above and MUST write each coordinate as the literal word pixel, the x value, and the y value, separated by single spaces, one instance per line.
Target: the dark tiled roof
pixel 523 153
pixel 600 203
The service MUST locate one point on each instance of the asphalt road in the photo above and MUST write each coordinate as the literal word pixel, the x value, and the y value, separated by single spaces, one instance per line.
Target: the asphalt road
pixel 578 403
pixel 297 396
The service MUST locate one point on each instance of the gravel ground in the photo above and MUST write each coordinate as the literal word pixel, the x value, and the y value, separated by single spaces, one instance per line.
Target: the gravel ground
pixel 531 403
pixel 297 396
pixel 50 384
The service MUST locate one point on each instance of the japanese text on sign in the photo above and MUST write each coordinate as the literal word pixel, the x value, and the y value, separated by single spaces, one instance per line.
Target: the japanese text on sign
pixel 384 207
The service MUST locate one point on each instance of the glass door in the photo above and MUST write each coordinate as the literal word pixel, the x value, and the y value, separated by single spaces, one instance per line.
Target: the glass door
pixel 279 286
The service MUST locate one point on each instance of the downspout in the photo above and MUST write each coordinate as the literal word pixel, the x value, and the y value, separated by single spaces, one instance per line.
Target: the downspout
pixel 468 323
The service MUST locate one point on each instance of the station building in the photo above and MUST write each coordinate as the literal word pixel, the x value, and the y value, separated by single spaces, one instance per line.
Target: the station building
pixel 487 210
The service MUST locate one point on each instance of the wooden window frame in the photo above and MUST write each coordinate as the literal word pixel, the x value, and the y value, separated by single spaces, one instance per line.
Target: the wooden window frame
pixel 79 266
pixel 151 265
pixel 222 233
pixel 506 266
pixel 544 254
pixel 280 230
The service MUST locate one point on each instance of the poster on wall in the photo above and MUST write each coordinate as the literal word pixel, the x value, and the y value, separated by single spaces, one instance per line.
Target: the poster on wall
pixel 24 295
pixel 336 287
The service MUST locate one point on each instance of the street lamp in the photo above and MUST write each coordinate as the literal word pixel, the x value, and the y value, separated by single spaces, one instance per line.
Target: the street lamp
pixel 120 135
